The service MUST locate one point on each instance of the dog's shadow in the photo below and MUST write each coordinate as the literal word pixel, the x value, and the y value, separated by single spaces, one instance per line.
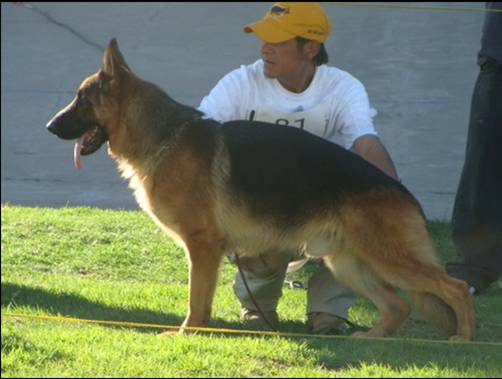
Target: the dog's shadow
pixel 76 306
pixel 332 354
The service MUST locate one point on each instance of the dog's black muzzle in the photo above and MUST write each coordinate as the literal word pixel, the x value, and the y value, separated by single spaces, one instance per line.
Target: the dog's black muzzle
pixel 66 125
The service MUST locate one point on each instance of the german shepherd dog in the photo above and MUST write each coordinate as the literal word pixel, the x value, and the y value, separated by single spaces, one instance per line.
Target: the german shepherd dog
pixel 255 188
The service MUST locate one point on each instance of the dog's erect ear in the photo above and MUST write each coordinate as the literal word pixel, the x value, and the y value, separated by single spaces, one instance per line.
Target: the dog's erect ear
pixel 113 61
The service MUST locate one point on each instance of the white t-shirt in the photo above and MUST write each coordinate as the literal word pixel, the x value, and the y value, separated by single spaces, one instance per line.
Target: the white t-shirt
pixel 335 105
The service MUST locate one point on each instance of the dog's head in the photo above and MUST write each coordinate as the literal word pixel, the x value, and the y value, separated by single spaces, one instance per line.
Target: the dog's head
pixel 93 116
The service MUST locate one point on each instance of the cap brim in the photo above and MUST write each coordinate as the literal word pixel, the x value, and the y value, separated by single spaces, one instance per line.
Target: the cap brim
pixel 268 31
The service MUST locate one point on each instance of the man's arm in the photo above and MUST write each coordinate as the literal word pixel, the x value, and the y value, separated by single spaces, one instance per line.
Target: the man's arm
pixel 225 101
pixel 370 148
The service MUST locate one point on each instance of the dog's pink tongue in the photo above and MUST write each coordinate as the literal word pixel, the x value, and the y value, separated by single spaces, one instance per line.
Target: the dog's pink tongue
pixel 76 152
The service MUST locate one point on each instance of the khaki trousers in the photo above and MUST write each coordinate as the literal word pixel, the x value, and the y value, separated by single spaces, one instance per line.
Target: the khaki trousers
pixel 265 276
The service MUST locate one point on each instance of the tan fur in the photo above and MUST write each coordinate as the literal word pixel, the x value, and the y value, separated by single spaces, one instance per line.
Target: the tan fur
pixel 373 243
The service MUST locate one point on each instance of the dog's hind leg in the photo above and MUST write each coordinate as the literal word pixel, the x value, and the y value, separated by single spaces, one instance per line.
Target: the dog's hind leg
pixel 402 255
pixel 435 293
pixel 410 266
pixel 393 310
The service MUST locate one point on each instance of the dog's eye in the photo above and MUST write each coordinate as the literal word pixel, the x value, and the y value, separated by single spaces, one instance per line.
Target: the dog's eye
pixel 82 100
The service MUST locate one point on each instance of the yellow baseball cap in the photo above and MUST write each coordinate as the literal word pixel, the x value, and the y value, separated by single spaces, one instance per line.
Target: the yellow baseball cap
pixel 284 21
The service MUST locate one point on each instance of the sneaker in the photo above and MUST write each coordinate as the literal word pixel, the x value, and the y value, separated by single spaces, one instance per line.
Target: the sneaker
pixel 327 323
pixel 254 318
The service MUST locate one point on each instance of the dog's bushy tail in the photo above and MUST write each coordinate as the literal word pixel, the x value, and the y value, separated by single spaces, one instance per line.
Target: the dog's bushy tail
pixel 433 308
pixel 435 311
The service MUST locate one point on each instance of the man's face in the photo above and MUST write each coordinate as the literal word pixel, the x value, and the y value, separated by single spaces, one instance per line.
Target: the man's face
pixel 283 60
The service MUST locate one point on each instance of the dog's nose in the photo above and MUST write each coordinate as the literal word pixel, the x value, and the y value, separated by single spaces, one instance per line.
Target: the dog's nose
pixel 51 127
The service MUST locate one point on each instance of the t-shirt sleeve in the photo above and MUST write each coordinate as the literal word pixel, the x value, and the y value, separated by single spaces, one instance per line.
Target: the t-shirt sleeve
pixel 226 99
pixel 354 117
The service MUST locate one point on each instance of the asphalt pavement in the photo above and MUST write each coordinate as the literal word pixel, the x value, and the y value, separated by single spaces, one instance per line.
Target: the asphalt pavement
pixel 418 66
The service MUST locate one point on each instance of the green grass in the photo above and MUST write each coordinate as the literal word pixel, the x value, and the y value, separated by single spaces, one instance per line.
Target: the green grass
pixel 117 265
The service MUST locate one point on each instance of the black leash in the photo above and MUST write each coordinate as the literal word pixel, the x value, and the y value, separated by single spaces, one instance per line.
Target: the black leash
pixel 262 314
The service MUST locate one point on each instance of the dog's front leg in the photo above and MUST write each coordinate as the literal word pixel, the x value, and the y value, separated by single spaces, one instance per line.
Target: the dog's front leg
pixel 204 260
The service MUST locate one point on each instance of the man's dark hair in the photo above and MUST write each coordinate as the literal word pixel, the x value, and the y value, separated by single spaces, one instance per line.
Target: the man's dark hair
pixel 322 55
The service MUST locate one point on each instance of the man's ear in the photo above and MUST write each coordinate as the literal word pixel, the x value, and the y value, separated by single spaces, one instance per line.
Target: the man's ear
pixel 113 61
pixel 311 49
